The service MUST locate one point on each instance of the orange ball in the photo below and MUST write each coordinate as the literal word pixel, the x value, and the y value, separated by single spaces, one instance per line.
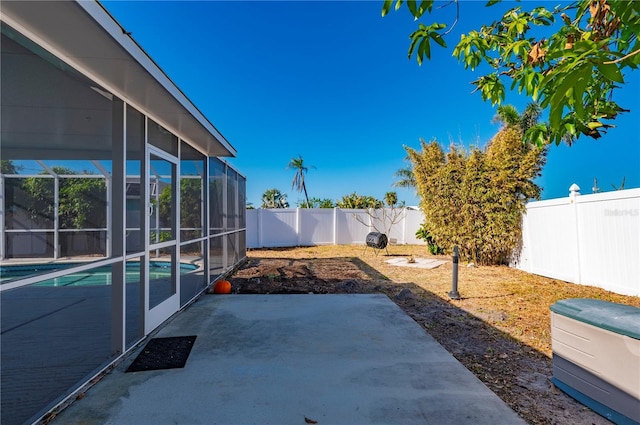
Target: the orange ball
pixel 222 287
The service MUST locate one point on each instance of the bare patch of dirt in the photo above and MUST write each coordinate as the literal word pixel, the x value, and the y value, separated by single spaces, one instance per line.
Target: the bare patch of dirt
pixel 499 330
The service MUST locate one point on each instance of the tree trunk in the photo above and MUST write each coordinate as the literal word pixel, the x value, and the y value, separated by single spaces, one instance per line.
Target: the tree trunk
pixel 304 187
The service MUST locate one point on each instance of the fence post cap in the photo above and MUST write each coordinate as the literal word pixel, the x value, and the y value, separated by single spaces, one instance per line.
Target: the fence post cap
pixel 574 189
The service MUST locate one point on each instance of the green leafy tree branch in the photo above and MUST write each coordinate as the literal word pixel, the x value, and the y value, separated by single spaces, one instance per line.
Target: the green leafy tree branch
pixel 571 59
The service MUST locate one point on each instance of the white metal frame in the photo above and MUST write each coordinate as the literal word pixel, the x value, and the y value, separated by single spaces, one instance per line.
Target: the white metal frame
pixel 154 316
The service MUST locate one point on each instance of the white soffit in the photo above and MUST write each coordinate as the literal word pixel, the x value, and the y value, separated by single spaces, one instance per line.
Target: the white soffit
pixel 86 35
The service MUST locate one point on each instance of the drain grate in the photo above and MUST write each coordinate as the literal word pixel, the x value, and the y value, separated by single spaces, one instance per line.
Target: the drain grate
pixel 163 353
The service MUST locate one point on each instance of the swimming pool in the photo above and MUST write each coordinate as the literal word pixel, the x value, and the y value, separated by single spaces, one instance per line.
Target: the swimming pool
pixel 95 277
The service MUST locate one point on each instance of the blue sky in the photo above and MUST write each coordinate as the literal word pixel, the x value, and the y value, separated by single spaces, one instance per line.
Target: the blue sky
pixel 331 81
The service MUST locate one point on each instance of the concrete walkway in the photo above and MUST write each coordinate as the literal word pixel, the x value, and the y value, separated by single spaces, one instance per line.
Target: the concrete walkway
pixel 295 359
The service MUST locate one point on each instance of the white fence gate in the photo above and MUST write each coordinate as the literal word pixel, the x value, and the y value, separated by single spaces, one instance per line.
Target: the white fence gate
pixel 282 227
pixel 585 239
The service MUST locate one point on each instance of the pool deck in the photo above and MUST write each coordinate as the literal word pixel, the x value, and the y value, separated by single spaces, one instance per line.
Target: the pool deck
pixel 295 359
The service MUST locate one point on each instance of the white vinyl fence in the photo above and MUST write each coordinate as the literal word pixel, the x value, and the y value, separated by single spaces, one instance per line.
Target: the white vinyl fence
pixel 279 227
pixel 585 239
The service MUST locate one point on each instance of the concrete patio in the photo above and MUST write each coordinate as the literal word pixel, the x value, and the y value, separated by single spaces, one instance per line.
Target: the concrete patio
pixel 296 359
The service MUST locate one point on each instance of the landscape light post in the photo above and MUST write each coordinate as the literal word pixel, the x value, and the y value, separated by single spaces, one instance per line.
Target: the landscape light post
pixel 454 295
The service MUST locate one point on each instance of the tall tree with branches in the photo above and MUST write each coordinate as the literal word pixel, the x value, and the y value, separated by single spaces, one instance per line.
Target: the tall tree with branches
pixel 298 179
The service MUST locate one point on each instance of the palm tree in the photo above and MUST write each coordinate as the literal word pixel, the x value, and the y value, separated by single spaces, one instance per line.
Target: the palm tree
pixel 509 116
pixel 530 116
pixel 527 122
pixel 391 199
pixel 273 198
pixel 406 178
pixel 298 179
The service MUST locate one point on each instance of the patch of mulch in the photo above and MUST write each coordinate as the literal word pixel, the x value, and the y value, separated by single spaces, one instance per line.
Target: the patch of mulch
pixel 519 374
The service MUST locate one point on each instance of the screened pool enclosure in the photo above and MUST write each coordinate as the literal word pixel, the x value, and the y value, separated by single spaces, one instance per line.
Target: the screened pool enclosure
pixel 117 208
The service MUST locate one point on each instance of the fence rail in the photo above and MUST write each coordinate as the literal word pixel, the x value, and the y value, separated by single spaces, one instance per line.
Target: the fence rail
pixel 285 227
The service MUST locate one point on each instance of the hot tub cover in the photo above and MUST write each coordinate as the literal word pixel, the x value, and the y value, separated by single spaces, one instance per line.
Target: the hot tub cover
pixel 619 318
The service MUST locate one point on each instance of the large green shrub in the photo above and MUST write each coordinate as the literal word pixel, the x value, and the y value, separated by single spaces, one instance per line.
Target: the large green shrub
pixel 475 198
